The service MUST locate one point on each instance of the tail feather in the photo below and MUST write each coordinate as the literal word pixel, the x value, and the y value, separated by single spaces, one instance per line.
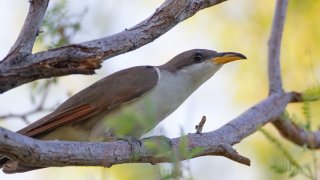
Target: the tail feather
pixel 3 161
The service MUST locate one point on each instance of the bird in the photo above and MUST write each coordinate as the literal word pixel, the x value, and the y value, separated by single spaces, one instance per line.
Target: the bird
pixel 127 103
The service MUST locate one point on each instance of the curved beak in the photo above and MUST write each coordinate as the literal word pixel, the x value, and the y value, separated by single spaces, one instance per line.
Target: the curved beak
pixel 225 57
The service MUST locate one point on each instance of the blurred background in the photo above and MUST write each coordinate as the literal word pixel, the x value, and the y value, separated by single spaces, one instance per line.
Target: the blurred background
pixel 235 25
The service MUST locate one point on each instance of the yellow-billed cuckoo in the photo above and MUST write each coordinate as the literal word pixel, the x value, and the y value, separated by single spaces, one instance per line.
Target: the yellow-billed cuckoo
pixel 129 102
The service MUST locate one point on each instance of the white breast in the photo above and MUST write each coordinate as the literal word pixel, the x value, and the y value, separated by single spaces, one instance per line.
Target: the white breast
pixel 171 91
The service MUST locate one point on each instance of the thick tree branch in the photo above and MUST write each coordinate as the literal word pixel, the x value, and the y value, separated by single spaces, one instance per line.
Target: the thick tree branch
pixel 25 41
pixel 84 58
pixel 38 153
pixel 275 81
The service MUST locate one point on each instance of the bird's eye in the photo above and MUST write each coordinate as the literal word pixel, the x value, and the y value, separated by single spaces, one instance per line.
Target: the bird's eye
pixel 197 57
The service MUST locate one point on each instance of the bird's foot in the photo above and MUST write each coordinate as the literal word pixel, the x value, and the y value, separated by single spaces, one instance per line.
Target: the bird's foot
pixel 135 144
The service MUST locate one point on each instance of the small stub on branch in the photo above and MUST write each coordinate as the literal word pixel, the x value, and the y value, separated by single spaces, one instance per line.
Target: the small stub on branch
pixel 232 154
pixel 199 127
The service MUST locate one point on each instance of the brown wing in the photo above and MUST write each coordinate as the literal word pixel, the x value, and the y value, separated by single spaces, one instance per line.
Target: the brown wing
pixel 104 95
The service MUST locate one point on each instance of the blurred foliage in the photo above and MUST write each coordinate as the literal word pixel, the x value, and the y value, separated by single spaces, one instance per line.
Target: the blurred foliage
pixel 39 88
pixel 291 165
pixel 59 26
pixel 312 93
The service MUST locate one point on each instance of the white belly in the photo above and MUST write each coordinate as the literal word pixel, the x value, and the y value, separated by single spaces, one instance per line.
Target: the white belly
pixel 141 115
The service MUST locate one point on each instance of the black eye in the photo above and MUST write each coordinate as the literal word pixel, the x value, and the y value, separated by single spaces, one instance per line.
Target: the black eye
pixel 197 57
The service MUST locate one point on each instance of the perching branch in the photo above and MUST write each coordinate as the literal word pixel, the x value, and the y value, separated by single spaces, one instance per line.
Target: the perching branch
pixel 84 58
pixel 38 153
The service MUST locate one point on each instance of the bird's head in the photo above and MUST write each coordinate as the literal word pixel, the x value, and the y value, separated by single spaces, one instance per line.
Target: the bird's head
pixel 200 64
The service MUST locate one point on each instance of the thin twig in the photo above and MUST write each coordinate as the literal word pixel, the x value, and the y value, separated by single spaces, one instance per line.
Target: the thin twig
pixel 24 116
pixel 274 71
pixel 39 108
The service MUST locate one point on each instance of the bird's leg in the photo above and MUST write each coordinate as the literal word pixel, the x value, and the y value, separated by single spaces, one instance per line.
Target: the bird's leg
pixel 160 145
pixel 135 143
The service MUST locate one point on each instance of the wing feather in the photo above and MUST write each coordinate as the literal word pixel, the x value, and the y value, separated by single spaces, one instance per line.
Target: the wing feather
pixel 65 117
pixel 105 95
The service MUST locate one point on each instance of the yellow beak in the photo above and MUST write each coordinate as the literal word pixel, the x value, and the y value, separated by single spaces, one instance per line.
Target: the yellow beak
pixel 225 57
